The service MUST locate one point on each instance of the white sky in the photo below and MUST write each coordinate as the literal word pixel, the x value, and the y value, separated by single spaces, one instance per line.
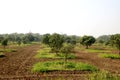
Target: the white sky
pixel 77 17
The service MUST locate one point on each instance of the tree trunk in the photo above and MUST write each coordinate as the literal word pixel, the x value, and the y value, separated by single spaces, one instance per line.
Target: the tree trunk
pixel 65 60
pixel 4 48
pixel 119 51
pixel 86 47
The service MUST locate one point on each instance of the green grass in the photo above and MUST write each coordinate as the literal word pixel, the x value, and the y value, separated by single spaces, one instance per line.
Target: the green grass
pixel 1 54
pixel 8 50
pixel 112 56
pixel 45 53
pixel 97 51
pixel 102 75
pixel 60 65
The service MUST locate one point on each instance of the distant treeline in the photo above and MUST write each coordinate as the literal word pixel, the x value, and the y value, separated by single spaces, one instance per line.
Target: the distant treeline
pixel 36 37
pixel 59 39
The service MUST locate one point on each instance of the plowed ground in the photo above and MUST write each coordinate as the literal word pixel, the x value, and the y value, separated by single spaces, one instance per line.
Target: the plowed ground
pixel 17 65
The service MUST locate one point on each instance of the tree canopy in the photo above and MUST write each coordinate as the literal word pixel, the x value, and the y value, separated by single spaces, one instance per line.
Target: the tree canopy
pixel 115 40
pixel 87 41
pixel 56 42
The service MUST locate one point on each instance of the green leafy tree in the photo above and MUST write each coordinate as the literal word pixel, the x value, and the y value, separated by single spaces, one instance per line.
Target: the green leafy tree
pixel 19 41
pixel 5 43
pixel 56 42
pixel 46 38
pixel 30 37
pixel 104 39
pixel 115 40
pixel 66 49
pixel 87 41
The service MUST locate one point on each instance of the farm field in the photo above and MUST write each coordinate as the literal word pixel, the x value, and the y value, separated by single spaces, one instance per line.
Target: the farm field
pixel 17 65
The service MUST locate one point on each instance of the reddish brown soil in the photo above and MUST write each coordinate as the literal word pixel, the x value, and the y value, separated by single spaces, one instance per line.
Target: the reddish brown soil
pixel 17 65
pixel 111 65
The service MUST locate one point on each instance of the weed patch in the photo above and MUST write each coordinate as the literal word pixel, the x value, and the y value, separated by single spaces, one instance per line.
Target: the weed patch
pixel 60 65
pixel 102 75
pixel 112 56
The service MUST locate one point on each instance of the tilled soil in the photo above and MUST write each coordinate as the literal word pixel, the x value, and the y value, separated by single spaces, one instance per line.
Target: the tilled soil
pixel 17 65
pixel 111 65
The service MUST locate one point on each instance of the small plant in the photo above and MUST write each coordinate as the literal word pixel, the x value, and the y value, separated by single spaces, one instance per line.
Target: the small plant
pixel 112 56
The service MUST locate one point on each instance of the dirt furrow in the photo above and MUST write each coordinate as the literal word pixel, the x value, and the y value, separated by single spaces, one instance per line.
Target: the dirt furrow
pixel 13 63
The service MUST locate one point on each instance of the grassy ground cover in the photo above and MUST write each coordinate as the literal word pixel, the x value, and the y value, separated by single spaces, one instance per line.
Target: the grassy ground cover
pixel 60 65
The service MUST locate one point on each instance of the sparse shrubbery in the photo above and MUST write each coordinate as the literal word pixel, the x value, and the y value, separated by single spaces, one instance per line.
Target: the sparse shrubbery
pixel 102 75
pixel 45 53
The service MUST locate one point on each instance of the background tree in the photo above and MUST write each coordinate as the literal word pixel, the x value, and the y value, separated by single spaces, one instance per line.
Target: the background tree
pixel 56 42
pixel 115 40
pixel 104 39
pixel 87 41
pixel 45 39
pixel 19 41
pixel 5 43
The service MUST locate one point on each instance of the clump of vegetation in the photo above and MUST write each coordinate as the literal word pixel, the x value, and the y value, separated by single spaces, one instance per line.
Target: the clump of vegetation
pixel 5 43
pixel 112 56
pixel 45 53
pixel 59 65
pixel 102 75
pixel 1 54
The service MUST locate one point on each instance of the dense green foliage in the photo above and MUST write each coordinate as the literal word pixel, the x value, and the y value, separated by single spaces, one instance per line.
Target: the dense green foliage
pixel 15 38
pixel 104 39
pixel 67 49
pixel 87 41
pixel 115 40
pixel 56 42
pixel 5 43
pixel 45 39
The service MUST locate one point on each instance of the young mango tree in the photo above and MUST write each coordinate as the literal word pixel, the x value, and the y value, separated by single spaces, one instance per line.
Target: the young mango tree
pixel 115 40
pixel 45 39
pixel 66 49
pixel 5 43
pixel 87 41
pixel 56 42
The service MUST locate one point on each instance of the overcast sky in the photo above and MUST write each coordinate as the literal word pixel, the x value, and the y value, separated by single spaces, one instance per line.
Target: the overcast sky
pixel 77 17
